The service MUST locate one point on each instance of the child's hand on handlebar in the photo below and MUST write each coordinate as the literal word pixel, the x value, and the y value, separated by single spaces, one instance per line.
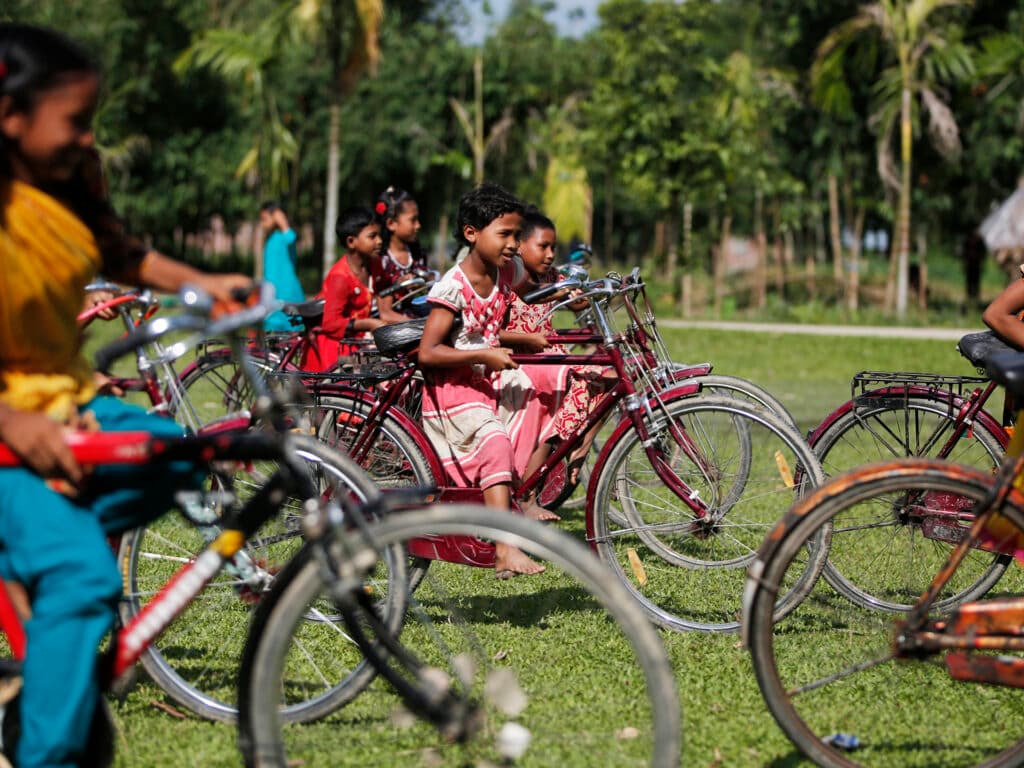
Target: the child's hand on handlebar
pixel 229 291
pixel 498 359
pixel 32 437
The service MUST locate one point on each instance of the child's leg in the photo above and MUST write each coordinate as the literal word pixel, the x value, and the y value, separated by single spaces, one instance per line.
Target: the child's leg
pixel 125 497
pixel 529 504
pixel 57 549
pixel 509 561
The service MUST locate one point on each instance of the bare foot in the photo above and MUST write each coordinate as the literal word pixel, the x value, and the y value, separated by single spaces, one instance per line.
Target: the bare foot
pixel 510 562
pixel 535 511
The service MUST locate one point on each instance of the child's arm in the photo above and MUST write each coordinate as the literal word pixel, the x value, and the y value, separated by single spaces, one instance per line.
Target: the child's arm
pixel 387 314
pixel 1002 315
pixel 436 352
pixel 166 274
pixel 531 342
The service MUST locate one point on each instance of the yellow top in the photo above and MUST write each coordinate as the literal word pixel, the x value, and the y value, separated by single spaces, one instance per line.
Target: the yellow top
pixel 47 257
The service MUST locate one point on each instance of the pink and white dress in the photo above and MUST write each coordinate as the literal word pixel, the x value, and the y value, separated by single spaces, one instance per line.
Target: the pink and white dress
pixel 482 423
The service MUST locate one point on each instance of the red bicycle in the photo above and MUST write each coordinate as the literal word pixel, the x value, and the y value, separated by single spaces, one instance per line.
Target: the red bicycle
pixel 686 485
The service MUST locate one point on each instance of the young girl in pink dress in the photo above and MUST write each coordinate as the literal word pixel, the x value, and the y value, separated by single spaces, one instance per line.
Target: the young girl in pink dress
pixel 477 402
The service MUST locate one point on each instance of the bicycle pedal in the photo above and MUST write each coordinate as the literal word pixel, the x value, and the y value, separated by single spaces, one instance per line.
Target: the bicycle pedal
pixel 989 617
pixel 994 670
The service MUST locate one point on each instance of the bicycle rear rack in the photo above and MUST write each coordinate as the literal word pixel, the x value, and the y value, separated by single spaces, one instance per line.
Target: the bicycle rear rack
pixel 902 383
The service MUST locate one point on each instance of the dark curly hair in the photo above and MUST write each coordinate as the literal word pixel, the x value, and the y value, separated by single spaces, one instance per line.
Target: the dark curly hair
pixel 352 221
pixel 533 220
pixel 482 205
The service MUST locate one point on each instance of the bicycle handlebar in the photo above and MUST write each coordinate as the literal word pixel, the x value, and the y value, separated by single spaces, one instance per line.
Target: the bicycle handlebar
pixel 198 307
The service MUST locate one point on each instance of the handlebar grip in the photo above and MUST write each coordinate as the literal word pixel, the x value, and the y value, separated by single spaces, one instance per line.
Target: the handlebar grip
pixel 108 353
pixel 541 294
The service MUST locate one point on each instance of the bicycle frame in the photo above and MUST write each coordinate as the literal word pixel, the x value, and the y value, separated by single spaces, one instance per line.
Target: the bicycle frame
pixel 137 448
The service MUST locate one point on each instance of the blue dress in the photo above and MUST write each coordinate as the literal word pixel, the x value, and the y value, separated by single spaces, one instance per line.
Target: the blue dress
pixel 279 269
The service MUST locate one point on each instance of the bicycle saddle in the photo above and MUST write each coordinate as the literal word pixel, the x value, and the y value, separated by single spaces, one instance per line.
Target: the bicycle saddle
pixel 979 347
pixel 400 339
pixel 1007 370
pixel 306 309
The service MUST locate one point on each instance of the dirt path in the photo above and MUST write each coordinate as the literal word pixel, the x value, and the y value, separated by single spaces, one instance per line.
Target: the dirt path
pixel 871 331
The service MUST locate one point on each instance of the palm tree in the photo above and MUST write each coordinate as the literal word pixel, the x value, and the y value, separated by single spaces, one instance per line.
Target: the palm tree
pixel 349 30
pixel 480 143
pixel 923 53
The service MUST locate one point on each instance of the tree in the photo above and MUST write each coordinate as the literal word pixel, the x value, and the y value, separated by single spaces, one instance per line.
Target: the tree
pixel 923 54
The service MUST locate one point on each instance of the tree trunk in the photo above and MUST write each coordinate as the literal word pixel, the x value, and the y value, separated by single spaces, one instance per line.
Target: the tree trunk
pixel 922 268
pixel 835 231
pixel 719 267
pixel 903 209
pixel 761 269
pixel 331 193
pixel 479 143
pixel 672 242
pixel 609 214
pixel 685 280
pixel 853 287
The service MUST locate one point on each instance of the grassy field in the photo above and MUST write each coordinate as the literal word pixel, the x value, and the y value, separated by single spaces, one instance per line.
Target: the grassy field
pixel 725 721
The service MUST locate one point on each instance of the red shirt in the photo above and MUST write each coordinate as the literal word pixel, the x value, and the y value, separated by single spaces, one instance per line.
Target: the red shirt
pixel 346 298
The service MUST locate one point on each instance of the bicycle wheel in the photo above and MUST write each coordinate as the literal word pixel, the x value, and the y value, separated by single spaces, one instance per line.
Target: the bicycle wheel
pixel 393 458
pixel 488 646
pixel 215 386
pixel 742 464
pixel 883 428
pixel 195 660
pixel 719 384
pixel 828 667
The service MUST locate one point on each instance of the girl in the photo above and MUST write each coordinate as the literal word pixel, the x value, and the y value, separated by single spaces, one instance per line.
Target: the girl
pixel 348 290
pixel 475 398
pixel 565 394
pixel 56 232
pixel 403 255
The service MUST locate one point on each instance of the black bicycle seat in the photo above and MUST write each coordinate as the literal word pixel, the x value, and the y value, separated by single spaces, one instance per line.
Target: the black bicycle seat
pixel 979 347
pixel 400 339
pixel 305 309
pixel 1007 370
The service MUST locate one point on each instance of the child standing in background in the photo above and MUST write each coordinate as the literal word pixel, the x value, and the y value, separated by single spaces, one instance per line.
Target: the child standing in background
pixel 348 291
pixel 475 399
pixel 279 262
pixel 402 255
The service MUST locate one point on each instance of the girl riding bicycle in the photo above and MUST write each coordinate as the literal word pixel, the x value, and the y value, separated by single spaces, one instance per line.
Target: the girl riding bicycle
pixel 476 399
pixel 57 230
pixel 403 255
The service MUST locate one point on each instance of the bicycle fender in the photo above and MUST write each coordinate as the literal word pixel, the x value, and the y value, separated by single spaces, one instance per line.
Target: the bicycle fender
pixel 956 404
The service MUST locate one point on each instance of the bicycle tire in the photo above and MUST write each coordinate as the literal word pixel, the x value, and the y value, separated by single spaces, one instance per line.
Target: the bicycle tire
pixel 722 384
pixel 483 608
pixel 687 572
pixel 215 386
pixel 893 426
pixel 558 488
pixel 395 457
pixel 827 667
pixel 195 660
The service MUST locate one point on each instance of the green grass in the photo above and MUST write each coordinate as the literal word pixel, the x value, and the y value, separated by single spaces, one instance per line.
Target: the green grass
pixel 725 721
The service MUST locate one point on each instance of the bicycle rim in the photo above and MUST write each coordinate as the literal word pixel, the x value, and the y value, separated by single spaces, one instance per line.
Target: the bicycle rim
pixel 744 465
pixel 491 642
pixel 827 669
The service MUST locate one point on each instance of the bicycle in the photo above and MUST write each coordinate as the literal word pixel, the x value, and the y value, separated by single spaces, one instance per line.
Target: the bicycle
pixel 883 682
pixel 894 414
pixel 360 569
pixel 235 523
pixel 680 495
